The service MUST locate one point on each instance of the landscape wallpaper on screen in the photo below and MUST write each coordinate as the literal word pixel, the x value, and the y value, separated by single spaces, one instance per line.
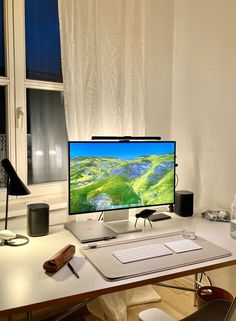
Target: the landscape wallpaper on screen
pixel 133 179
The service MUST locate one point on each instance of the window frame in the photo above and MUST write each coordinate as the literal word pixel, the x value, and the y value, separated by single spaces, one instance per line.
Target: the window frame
pixel 17 84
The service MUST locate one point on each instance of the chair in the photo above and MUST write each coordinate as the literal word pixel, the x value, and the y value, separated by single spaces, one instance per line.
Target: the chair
pixel 213 311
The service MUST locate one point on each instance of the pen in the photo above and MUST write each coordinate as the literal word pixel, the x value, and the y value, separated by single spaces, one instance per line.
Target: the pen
pixel 72 270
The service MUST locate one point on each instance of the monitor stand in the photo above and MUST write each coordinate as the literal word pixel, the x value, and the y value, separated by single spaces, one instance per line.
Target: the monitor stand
pixel 118 221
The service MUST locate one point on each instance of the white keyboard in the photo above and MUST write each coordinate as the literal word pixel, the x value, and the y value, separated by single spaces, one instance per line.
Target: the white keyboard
pixel 142 253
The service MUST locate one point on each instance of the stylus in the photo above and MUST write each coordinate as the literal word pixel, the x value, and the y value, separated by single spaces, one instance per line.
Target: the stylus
pixel 72 270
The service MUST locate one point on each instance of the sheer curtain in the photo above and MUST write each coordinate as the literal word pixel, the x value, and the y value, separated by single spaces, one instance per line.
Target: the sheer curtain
pixel 103 62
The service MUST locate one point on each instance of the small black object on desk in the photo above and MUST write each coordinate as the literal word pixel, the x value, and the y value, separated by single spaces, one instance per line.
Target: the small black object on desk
pixel 73 270
pixel 159 217
pixel 145 214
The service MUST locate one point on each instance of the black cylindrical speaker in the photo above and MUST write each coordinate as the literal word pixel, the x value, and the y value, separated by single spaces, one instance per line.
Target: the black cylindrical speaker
pixel 184 203
pixel 37 219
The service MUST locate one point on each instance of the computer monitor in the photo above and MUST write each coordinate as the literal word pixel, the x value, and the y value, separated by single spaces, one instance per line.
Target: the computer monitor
pixel 115 175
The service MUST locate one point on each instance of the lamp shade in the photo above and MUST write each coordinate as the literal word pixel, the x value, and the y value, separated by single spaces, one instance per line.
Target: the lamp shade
pixel 16 186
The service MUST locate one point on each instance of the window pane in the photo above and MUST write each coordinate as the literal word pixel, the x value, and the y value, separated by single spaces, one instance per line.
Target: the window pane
pixel 2 53
pixel 3 140
pixel 47 138
pixel 43 56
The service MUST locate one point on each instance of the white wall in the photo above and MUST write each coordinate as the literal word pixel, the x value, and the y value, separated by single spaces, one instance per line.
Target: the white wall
pixel 203 116
pixel 204 99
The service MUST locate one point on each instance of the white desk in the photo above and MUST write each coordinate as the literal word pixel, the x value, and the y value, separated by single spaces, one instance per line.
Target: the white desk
pixel 24 286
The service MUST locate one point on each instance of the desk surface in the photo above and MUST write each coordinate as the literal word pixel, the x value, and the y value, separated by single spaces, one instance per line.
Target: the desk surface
pixel 24 285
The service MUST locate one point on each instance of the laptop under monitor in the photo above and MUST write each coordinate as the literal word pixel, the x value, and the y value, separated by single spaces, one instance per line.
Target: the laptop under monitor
pixel 231 315
pixel 90 231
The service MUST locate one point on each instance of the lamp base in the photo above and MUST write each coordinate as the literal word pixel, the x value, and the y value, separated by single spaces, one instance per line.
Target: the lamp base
pixel 7 235
pixel 12 239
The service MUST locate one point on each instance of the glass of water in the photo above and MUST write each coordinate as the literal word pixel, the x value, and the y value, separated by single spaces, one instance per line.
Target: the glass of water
pixel 189 228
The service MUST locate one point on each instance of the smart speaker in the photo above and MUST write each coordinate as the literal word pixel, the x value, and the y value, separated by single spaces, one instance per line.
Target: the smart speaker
pixel 37 219
pixel 184 203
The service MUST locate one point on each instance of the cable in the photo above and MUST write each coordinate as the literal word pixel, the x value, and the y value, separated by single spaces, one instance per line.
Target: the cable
pixel 13 242
pixel 176 180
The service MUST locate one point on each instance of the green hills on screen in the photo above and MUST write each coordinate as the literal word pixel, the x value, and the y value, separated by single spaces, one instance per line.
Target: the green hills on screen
pixel 101 183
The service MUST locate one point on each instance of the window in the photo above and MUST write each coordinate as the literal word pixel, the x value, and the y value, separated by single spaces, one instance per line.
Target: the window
pixel 3 83
pixel 3 143
pixel 43 58
pixel 46 143
pixel 32 126
pixel 2 44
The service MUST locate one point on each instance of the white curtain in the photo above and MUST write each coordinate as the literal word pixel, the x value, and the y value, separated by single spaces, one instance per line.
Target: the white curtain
pixel 103 63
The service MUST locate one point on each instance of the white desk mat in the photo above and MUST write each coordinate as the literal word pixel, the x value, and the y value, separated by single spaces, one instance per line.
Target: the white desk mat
pixel 112 270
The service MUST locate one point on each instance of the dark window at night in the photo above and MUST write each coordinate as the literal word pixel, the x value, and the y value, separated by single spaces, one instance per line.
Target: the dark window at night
pixel 43 55
pixel 46 136
pixel 2 53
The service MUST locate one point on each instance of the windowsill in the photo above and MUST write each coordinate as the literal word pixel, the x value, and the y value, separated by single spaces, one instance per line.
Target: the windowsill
pixel 18 206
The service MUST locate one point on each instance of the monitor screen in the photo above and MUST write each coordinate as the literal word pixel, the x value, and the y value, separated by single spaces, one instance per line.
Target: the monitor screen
pixel 112 175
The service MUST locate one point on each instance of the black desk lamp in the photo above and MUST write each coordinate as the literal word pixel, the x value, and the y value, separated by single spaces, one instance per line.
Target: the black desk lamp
pixel 16 187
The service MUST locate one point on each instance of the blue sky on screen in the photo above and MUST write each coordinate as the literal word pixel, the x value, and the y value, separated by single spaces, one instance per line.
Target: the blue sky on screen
pixel 121 150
